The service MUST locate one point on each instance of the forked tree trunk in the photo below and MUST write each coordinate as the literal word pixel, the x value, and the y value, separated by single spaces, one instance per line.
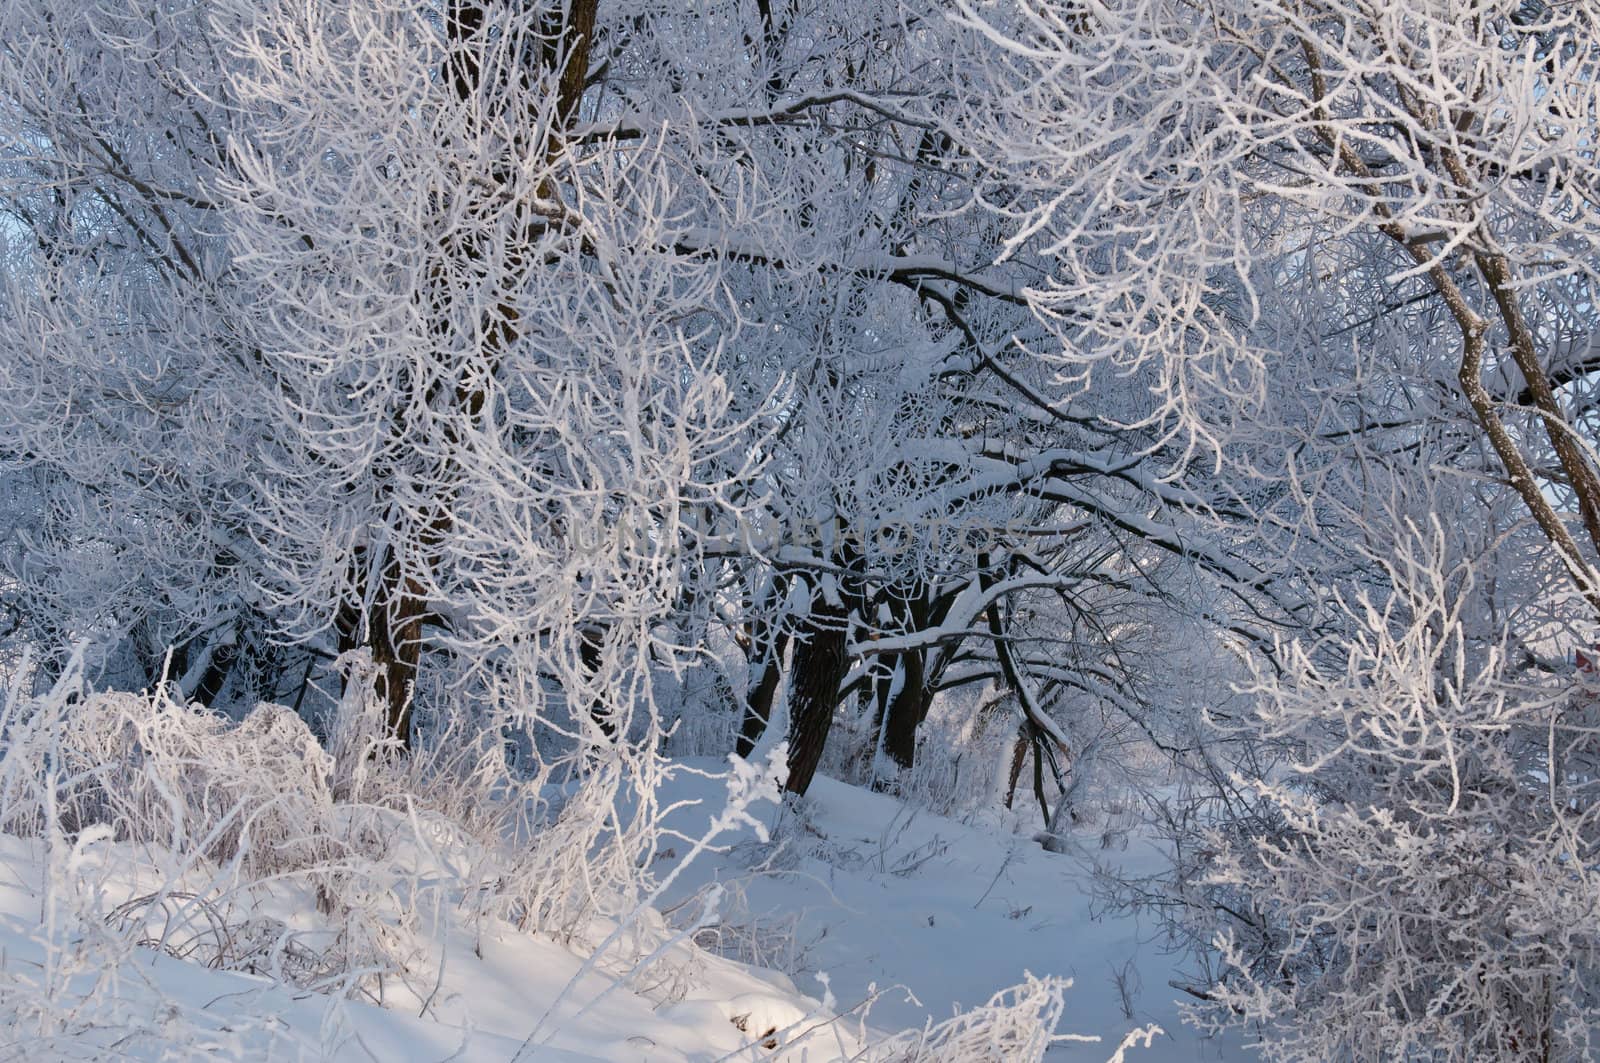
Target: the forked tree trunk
pixel 918 671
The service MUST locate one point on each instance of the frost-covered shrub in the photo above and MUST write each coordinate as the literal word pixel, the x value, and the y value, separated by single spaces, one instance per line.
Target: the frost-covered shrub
pixel 157 771
pixel 1017 1025
pixel 236 820
pixel 1429 886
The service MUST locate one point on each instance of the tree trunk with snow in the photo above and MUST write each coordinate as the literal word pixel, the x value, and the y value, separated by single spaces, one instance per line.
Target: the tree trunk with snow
pixel 908 701
pixel 820 664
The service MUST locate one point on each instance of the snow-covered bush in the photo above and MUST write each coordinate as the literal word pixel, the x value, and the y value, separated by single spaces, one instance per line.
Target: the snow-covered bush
pixel 1017 1024
pixel 1428 886
pixel 387 850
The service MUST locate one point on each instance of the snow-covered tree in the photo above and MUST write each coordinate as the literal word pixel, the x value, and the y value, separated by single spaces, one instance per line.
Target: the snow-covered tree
pixel 1349 251
pixel 451 330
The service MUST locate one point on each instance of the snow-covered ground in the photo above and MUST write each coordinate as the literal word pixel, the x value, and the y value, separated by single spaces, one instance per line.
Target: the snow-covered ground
pixel 937 915
pixel 861 898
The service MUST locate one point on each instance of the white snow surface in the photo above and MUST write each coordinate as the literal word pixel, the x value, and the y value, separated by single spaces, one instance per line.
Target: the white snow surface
pixel 918 914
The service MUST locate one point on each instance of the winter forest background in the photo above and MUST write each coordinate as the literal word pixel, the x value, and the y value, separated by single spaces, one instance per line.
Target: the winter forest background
pixel 443 440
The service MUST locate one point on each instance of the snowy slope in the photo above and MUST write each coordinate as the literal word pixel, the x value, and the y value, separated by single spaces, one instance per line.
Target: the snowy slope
pixel 939 914
pixel 492 992
pixel 936 915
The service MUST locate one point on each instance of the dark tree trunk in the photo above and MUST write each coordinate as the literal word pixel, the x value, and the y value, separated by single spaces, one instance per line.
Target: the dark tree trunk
pixel 1037 740
pixel 902 714
pixel 820 665
pixel 907 709
pixel 214 654
pixel 391 631
pixel 758 705
pixel 1019 753
pixel 394 635
pixel 763 646
pixel 591 641
pixel 223 658
pixel 397 651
